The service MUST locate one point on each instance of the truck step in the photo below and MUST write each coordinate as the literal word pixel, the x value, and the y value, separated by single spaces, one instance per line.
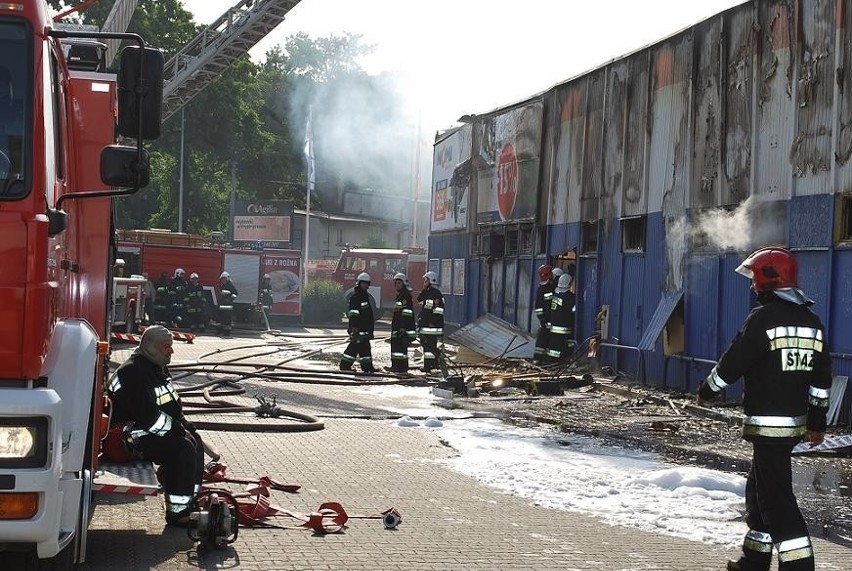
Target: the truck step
pixel 131 478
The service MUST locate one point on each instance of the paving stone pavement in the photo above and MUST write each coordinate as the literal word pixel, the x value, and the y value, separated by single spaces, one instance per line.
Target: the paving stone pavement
pixel 450 521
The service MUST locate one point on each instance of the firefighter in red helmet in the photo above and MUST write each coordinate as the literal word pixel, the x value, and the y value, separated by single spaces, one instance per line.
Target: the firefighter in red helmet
pixel 783 356
pixel 542 311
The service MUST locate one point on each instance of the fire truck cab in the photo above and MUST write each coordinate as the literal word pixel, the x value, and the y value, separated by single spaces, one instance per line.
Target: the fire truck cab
pixel 59 172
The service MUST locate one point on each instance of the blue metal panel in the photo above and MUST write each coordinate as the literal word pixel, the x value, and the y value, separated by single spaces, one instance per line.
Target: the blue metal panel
pixel 587 297
pixel 510 288
pixel 701 307
pixel 661 315
pixel 473 290
pixel 630 324
pixel 840 324
pixel 610 273
pixel 495 287
pixel 803 211
pixel 527 285
pixel 813 278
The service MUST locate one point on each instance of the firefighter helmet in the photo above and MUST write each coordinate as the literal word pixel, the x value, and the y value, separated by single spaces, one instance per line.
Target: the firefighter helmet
pixel 363 277
pixel 401 277
pixel 225 275
pixel 267 277
pixel 564 283
pixel 431 276
pixel 193 276
pixel 558 272
pixel 545 272
pixel 770 269
pixel 179 273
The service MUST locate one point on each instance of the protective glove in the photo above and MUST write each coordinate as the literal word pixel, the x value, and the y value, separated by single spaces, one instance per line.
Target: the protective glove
pixel 353 332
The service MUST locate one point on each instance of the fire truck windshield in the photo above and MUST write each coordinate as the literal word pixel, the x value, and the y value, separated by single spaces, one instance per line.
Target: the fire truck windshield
pixel 15 79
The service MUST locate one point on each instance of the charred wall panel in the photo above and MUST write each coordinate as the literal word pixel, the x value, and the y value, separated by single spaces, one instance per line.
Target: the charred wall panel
pixel 707 113
pixel 670 141
pixel 510 283
pixel 587 296
pixel 550 134
pixel 526 291
pixel 738 58
pixel 568 162
pixel 809 221
pixel 593 147
pixel 776 111
pixel 635 196
pixel 844 103
pixel 614 129
pixel 811 151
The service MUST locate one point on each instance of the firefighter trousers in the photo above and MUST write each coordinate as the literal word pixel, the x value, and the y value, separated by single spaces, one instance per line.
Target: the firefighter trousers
pixel 358 350
pixel 772 514
pixel 399 354
pixel 541 341
pixel 180 457
pixel 430 351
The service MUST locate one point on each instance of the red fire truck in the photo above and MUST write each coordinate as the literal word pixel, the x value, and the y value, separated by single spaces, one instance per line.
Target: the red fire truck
pixel 382 264
pixel 59 172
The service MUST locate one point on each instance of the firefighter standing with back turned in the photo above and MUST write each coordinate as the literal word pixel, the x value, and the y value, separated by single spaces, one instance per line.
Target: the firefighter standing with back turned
pixel 144 399
pixel 542 310
pixel 403 330
pixel 430 320
pixel 361 324
pixel 782 355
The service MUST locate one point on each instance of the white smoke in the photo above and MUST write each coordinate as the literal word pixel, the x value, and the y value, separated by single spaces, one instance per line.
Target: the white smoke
pixel 752 224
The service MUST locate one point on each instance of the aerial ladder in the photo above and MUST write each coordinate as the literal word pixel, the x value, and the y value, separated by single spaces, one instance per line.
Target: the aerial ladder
pixel 203 60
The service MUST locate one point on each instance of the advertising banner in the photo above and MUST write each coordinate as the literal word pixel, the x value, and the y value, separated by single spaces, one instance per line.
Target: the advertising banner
pixel 508 165
pixel 266 223
pixel 284 269
pixel 451 170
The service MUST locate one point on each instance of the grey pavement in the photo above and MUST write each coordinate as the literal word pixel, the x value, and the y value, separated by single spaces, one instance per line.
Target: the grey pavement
pixel 450 521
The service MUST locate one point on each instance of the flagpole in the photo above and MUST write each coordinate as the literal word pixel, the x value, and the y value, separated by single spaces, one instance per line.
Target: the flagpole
pixel 309 151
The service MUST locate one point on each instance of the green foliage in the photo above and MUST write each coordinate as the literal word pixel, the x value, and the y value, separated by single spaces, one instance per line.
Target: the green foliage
pixel 323 302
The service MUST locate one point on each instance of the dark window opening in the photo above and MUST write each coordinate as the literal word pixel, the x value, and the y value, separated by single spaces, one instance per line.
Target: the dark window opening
pixel 525 237
pixel 590 238
pixel 843 224
pixel 511 242
pixel 633 234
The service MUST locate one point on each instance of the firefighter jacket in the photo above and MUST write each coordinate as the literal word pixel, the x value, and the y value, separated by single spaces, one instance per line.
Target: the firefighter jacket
pixel 227 293
pixel 265 297
pixel 431 318
pixel 782 355
pixel 360 315
pixel 561 316
pixel 542 301
pixel 403 316
pixel 178 289
pixel 142 394
pixel 194 296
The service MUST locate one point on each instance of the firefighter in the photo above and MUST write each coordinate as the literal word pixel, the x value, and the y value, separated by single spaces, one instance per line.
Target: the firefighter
pixel 145 401
pixel 403 330
pixel 542 311
pixel 265 295
pixel 430 320
pixel 161 299
pixel 781 352
pixel 177 295
pixel 227 295
pixel 361 325
pixel 561 324
pixel 194 302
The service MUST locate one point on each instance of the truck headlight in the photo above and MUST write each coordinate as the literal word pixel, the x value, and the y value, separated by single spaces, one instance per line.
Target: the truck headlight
pixel 23 442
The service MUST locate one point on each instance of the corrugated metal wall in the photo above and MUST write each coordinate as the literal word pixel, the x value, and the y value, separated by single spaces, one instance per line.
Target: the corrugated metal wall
pixel 751 104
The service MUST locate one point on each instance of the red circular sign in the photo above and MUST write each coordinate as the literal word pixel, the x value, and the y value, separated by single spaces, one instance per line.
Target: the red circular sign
pixel 507 181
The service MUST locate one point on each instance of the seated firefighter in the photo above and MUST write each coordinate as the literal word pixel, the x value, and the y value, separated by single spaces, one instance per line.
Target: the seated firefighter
pixel 146 403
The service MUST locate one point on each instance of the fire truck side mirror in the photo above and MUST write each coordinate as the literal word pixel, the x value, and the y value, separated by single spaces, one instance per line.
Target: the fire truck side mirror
pixel 140 93
pixel 120 167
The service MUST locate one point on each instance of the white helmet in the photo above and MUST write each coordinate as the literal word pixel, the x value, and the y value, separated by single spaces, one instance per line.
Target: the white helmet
pixel 363 277
pixel 179 273
pixel 564 283
pixel 193 276
pixel 267 277
pixel 224 275
pixel 401 276
pixel 431 276
pixel 557 272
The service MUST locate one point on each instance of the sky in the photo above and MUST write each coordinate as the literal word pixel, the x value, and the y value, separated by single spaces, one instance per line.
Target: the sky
pixel 471 56
pixel 621 486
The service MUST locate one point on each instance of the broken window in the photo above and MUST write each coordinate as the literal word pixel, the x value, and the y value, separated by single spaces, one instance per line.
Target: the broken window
pixel 633 234
pixel 590 238
pixel 511 241
pixel 843 220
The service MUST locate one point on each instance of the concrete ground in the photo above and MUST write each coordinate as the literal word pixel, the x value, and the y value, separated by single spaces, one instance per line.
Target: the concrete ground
pixel 363 460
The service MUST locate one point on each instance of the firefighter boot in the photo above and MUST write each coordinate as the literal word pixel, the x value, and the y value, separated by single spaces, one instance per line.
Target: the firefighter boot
pixel 759 563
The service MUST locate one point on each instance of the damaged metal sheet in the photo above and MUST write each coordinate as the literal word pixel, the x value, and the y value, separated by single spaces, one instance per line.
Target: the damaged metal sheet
pixel 492 337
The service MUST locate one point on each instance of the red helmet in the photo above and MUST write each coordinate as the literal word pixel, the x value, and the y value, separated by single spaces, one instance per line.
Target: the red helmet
pixel 115 447
pixel 770 269
pixel 545 272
